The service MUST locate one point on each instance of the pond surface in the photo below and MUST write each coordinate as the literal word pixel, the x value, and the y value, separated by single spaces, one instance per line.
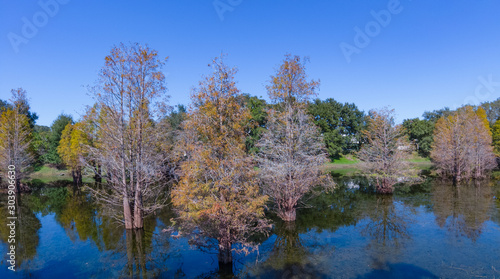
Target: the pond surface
pixel 434 230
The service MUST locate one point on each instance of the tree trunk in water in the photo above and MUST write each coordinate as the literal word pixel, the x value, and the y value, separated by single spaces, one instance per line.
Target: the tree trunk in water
pixel 73 175
pixel 138 210
pixel 226 270
pixel 18 186
pixel 98 174
pixel 384 187
pixel 225 254
pixel 127 214
pixel 288 214
pixel 79 177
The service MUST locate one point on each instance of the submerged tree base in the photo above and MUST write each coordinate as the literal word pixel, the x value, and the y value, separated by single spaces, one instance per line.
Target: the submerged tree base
pixel 225 254
pixel 288 215
pixel 384 189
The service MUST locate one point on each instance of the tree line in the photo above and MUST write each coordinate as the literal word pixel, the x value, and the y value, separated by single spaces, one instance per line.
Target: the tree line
pixel 229 158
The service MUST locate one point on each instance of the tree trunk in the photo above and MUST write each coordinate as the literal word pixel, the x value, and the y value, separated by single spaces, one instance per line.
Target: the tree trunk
pixel 127 214
pixel 138 210
pixel 288 214
pixel 98 174
pixel 73 175
pixel 226 270
pixel 384 186
pixel 18 186
pixel 225 253
pixel 79 177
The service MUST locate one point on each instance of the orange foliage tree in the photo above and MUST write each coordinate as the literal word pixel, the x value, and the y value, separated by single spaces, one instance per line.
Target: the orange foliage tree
pixel 217 198
pixel 463 145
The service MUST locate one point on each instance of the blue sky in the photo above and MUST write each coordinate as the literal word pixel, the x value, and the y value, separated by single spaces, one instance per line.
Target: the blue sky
pixel 429 55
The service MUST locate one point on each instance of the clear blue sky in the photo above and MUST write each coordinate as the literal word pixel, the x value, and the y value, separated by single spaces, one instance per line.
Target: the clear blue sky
pixel 427 56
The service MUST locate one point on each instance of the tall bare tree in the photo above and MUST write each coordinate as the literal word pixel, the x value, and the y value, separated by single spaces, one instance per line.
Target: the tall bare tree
pixel 16 137
pixel 463 145
pixel 385 154
pixel 292 149
pixel 129 95
pixel 218 199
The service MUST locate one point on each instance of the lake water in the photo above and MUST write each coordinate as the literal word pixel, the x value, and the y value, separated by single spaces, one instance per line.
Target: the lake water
pixel 434 230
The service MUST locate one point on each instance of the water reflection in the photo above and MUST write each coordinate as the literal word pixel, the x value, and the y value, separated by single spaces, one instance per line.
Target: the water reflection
pixel 464 208
pixel 351 233
pixel 386 227
pixel 26 232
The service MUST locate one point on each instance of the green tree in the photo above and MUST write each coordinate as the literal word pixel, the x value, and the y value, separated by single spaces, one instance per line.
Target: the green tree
pixel 177 116
pixel 492 110
pixel 52 157
pixel 496 137
pixel 41 143
pixel 434 116
pixel 4 105
pixel 340 125
pixel 258 119
pixel 420 133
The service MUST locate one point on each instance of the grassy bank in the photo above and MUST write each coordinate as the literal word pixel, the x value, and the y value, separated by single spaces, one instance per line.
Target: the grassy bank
pixel 47 174
pixel 349 166
pixel 345 166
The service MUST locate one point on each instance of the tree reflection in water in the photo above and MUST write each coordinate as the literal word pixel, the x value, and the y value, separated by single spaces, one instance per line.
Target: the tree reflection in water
pixel 377 232
pixel 27 226
pixel 386 227
pixel 292 256
pixel 301 248
pixel 83 220
pixel 464 208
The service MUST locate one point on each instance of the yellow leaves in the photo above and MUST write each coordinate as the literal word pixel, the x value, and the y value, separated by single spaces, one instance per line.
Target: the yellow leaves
pixel 481 113
pixel 72 145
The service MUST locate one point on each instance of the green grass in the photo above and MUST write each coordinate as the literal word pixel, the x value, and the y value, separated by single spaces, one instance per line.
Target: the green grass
pixel 346 160
pixel 419 160
pixel 344 166
pixel 47 174
pixel 349 165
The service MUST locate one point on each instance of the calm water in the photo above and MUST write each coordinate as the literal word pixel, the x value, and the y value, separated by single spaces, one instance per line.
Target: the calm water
pixel 435 230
